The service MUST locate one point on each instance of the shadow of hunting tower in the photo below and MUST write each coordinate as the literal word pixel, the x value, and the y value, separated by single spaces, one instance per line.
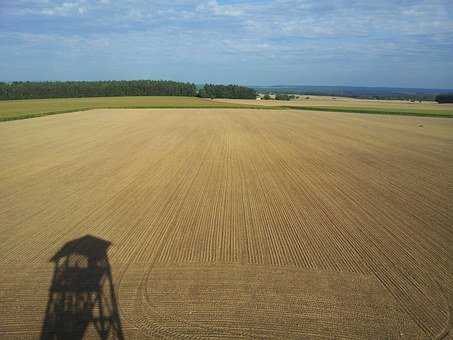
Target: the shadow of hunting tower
pixel 82 293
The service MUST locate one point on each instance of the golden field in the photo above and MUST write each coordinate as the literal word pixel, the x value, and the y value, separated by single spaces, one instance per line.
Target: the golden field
pixel 401 107
pixel 227 223
pixel 30 108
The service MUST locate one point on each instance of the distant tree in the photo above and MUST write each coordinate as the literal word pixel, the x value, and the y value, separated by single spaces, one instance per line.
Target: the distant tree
pixel 226 91
pixel 202 93
pixel 283 96
pixel 444 98
pixel 266 96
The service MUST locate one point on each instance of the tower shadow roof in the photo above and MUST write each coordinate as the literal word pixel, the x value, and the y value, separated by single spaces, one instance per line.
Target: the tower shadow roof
pixel 90 246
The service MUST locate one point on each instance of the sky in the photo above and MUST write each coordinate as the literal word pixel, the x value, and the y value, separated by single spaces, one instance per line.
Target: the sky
pixel 399 43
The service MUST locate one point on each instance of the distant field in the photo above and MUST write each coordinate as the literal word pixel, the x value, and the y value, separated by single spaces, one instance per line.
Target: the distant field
pixel 227 224
pixel 21 109
pixel 342 104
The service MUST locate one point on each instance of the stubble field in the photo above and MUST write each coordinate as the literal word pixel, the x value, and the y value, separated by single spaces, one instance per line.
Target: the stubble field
pixel 228 223
pixel 345 104
pixel 32 108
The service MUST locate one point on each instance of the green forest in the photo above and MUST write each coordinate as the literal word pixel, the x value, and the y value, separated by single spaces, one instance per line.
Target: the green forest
pixel 227 91
pixel 444 98
pixel 79 89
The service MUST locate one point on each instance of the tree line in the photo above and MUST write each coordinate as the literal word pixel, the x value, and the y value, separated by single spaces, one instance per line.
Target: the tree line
pixel 284 96
pixel 444 98
pixel 226 91
pixel 75 89
pixel 116 88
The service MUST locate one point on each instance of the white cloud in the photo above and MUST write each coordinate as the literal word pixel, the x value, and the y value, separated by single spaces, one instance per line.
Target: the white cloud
pixel 65 9
pixel 295 31
pixel 277 18
pixel 212 7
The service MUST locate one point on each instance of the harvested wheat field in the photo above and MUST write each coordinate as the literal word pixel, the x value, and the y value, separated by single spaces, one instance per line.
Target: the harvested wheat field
pixel 324 103
pixel 226 223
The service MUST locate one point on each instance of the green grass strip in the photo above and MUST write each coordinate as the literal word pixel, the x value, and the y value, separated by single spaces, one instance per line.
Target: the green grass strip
pixel 39 114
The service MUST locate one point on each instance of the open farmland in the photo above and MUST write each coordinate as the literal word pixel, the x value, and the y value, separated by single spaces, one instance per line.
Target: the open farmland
pixel 344 104
pixel 222 223
pixel 29 108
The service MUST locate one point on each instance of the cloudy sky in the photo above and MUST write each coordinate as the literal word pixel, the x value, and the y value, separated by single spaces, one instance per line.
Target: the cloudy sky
pixel 253 42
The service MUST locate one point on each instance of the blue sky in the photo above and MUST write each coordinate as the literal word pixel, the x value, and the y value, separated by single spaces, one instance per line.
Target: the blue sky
pixel 406 43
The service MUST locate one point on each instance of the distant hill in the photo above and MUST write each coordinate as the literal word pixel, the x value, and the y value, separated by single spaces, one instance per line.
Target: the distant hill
pixel 357 91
